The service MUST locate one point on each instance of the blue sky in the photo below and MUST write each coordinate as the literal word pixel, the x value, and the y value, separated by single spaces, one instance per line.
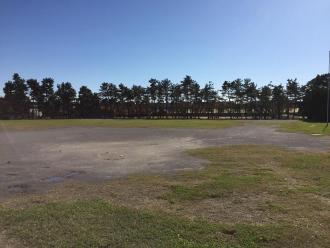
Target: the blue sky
pixel 87 42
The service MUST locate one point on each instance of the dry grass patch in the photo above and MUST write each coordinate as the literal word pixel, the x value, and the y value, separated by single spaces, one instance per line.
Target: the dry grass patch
pixel 297 126
pixel 116 123
pixel 248 196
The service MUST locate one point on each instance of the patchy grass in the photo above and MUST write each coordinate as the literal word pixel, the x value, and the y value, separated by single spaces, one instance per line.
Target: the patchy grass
pixel 96 223
pixel 312 171
pixel 216 187
pixel 226 175
pixel 254 168
pixel 298 126
pixel 118 123
pixel 283 125
pixel 305 127
pixel 248 196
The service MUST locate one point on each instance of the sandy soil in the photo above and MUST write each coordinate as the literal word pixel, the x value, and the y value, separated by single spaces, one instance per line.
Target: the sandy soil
pixel 32 161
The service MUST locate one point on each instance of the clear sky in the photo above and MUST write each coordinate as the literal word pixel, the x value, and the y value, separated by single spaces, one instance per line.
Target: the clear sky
pixel 92 41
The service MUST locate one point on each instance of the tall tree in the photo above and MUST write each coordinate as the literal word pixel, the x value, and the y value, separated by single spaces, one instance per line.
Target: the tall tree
pixel 315 99
pixel 4 108
pixel 36 96
pixel 293 95
pixel 176 96
pixel 278 100
pixel 48 108
pixel 238 91
pixel 16 95
pixel 88 103
pixel 265 104
pixel 109 96
pixel 152 92
pixel 196 100
pixel 209 97
pixel 166 87
pixel 160 99
pixel 228 96
pixel 250 93
pixel 66 98
pixel 187 85
pixel 125 97
pixel 138 93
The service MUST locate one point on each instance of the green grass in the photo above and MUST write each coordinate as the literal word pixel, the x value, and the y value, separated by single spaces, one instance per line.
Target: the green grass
pixel 248 196
pixel 253 168
pixel 284 125
pixel 96 223
pixel 312 170
pixel 217 187
pixel 290 182
pixel 306 127
pixel 233 169
pixel 128 123
pixel 315 128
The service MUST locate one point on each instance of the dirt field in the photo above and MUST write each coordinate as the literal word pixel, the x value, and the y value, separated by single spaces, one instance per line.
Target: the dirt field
pixel 32 161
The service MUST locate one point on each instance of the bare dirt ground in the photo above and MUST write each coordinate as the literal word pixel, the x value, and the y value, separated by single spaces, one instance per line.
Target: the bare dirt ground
pixel 31 161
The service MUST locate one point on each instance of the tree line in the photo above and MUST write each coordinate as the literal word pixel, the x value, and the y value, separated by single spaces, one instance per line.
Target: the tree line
pixel 238 99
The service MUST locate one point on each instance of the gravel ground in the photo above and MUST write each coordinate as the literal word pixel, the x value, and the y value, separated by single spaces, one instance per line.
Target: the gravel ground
pixel 32 161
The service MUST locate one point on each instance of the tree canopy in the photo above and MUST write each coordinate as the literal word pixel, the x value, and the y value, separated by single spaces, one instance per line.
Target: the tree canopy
pixel 240 98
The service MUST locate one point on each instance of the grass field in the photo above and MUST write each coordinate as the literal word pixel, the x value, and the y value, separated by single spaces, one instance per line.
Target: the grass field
pixel 248 196
pixel 315 128
pixel 296 126
pixel 118 123
pixel 96 223
pixel 284 125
